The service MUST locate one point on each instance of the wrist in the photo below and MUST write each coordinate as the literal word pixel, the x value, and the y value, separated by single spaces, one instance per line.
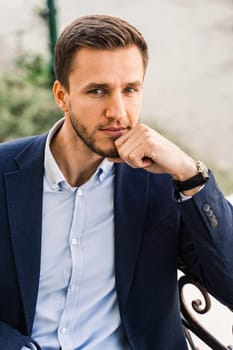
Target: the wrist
pixel 190 186
pixel 187 171
pixel 192 192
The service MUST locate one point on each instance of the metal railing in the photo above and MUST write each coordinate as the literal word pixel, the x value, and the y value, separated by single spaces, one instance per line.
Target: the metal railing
pixel 191 324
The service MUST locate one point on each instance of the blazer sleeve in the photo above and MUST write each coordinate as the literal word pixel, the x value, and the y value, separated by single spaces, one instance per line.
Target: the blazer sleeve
pixel 12 339
pixel 207 240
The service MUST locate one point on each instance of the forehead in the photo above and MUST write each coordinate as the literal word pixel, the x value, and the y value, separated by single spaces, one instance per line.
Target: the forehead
pixel 102 63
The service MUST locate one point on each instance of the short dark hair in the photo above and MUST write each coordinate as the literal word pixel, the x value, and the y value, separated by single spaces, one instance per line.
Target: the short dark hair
pixel 94 31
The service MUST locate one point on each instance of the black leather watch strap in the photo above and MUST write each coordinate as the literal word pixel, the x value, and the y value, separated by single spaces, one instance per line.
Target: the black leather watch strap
pixel 197 180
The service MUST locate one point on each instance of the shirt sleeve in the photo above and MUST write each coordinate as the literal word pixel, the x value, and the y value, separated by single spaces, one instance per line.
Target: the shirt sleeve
pixel 184 198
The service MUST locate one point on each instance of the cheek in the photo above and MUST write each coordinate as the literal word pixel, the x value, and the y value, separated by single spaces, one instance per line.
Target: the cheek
pixel 136 101
pixel 89 114
pixel 91 107
pixel 135 112
pixel 135 122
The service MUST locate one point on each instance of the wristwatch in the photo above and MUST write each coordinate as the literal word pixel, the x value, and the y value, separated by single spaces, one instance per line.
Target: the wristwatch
pixel 199 179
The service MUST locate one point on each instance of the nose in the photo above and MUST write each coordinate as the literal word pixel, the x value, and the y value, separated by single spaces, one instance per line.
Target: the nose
pixel 116 108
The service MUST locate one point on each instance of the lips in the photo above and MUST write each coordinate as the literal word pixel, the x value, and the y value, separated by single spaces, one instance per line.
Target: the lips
pixel 114 131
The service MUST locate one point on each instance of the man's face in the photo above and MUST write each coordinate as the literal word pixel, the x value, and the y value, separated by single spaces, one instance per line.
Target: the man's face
pixel 105 97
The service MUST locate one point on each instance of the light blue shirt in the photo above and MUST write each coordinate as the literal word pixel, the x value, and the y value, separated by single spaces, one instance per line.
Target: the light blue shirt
pixel 77 304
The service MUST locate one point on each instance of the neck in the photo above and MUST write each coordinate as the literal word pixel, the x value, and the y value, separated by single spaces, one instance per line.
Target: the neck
pixel 76 161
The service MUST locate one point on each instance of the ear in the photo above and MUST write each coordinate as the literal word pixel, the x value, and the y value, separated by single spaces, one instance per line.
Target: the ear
pixel 60 95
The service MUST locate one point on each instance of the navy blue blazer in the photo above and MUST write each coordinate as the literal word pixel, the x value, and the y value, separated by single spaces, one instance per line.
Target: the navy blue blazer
pixel 151 231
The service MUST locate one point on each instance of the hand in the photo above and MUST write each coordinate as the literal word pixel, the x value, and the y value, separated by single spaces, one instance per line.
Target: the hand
pixel 143 147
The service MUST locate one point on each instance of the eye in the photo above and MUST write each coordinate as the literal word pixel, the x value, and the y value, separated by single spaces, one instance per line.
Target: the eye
pixel 130 90
pixel 96 91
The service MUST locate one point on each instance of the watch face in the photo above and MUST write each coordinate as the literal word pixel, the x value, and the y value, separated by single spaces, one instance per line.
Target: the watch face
pixel 202 168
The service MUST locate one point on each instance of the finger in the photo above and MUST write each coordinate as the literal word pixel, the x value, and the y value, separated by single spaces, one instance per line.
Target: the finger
pixel 122 139
pixel 129 146
pixel 147 162
pixel 136 158
pixel 115 160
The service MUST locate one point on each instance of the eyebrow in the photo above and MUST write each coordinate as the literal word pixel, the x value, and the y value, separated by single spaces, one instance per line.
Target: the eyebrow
pixel 95 85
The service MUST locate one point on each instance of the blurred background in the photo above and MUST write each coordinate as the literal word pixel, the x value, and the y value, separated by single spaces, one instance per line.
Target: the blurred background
pixel 189 82
pixel 188 86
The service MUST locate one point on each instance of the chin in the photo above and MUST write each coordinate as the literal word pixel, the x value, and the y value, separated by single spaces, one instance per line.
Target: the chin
pixel 106 150
pixel 107 153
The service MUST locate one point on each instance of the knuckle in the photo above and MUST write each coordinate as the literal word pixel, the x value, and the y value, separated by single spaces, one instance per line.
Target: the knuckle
pixel 122 154
pixel 143 127
pixel 131 157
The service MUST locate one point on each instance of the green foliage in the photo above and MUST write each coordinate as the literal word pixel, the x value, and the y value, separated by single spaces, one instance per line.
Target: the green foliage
pixel 27 106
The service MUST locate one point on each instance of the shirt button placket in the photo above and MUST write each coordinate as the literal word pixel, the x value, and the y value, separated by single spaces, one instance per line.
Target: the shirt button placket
pixel 76 270
pixel 63 330
pixel 74 241
pixel 80 192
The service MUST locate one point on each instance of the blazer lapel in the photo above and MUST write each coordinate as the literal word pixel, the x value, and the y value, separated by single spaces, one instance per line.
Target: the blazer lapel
pixel 131 195
pixel 24 196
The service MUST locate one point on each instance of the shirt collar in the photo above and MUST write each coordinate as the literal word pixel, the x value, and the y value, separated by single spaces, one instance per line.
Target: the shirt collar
pixel 105 169
pixel 53 173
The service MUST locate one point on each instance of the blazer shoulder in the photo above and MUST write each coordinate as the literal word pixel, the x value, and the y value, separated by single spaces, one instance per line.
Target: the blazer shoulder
pixel 9 150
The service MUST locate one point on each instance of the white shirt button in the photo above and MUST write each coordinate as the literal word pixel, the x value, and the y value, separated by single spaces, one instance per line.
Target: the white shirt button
pixel 72 287
pixel 80 192
pixel 63 330
pixel 74 241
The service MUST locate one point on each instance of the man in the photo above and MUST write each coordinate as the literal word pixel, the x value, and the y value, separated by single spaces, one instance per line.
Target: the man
pixel 95 215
